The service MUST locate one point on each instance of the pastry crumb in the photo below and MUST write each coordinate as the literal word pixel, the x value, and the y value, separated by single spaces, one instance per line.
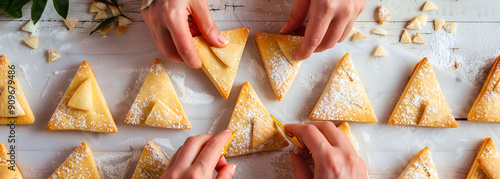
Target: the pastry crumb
pixel 457 64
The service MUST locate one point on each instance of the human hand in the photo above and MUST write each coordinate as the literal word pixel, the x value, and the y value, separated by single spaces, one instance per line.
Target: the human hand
pixel 199 156
pixel 173 35
pixel 333 154
pixel 330 21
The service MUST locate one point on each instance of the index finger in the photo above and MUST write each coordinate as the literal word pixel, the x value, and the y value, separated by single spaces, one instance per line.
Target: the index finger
pixel 313 139
pixel 210 154
pixel 315 31
pixel 183 40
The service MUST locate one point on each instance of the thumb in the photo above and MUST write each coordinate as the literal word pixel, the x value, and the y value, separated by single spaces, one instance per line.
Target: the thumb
pixel 301 169
pixel 206 24
pixel 226 172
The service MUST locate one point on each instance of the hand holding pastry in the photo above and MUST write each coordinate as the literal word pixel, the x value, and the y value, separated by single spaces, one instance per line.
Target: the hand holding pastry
pixel 199 156
pixel 330 22
pixel 173 35
pixel 333 154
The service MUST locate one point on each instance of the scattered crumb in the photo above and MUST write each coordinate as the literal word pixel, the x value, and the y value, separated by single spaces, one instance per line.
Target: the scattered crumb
pixel 429 6
pixel 358 36
pixel 457 64
pixel 383 14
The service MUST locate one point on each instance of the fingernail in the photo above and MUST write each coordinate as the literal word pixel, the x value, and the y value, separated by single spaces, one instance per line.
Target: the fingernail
pixel 233 170
pixel 222 39
pixel 283 28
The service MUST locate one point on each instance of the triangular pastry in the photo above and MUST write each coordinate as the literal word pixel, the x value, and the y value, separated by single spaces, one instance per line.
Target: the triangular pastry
pixel 420 166
pixel 418 39
pixel 422 102
pixel 53 55
pixel 358 36
pixel 379 31
pixel 405 38
pixel 487 150
pixel 344 97
pixel 383 14
pixel 79 115
pixel 221 64
pixel 438 24
pixel 490 166
pixel 156 103
pixel 429 6
pixel 450 28
pixel 486 106
pixel 261 131
pixel 289 48
pixel 32 42
pixel 248 111
pixel 22 113
pixel 379 51
pixel 152 163
pixel 79 164
pixel 414 24
pixel 7 171
pixel 280 71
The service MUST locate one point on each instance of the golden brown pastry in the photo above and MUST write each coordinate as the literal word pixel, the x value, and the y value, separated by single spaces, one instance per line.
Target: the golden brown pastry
pixel 83 106
pixel 491 166
pixel 487 150
pixel 486 106
pixel 280 68
pixel 156 103
pixel 221 64
pixel 256 131
pixel 344 97
pixel 22 113
pixel 345 128
pixel 7 171
pixel 420 166
pixel 80 164
pixel 151 164
pixel 422 102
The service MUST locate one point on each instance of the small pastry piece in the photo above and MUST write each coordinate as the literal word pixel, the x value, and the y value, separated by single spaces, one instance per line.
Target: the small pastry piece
pixel 405 38
pixel 422 19
pixel 32 42
pixel 379 31
pixel 100 5
pixel 490 166
pixel 379 52
pixel 22 113
pixel 53 55
pixel 414 24
pixel 344 97
pixel 123 21
pixel 96 118
pixel 383 14
pixel 79 164
pixel 420 166
pixel 280 71
pixel 289 48
pixel 487 150
pixel 94 9
pixel 152 163
pixel 457 64
pixel 429 6
pixel 353 30
pixel 486 106
pixel 156 103
pixel 418 39
pixel 345 128
pixel 214 67
pixel 106 29
pixel 422 102
pixel 101 14
pixel 114 10
pixel 30 27
pixel 358 36
pixel 71 23
pixel 249 114
pixel 6 169
pixel 438 24
pixel 450 28
pixel 121 29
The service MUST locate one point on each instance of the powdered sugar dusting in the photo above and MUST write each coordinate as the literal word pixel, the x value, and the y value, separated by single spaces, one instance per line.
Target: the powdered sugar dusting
pixel 188 96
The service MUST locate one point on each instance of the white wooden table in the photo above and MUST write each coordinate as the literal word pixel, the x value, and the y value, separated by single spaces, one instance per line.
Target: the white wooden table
pixel 120 63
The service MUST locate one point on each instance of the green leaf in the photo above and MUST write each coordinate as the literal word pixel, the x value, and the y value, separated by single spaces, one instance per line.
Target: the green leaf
pixel 15 13
pixel 17 4
pixel 104 24
pixel 37 10
pixel 115 3
pixel 61 7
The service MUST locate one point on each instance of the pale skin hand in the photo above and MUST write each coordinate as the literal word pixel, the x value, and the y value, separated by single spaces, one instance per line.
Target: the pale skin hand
pixel 173 35
pixel 198 158
pixel 330 22
pixel 333 154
